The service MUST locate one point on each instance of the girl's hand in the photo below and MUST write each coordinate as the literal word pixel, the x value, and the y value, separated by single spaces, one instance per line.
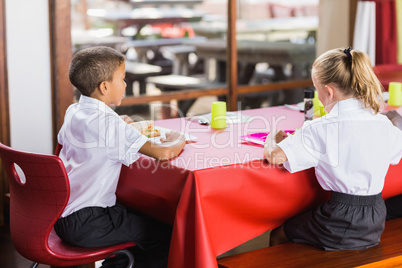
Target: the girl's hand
pixel 173 136
pixel 273 153
pixel 273 138
pixel 395 118
pixel 280 136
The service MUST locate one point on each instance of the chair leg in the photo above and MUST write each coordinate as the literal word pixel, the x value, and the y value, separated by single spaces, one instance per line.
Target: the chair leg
pixel 129 256
pixel 34 265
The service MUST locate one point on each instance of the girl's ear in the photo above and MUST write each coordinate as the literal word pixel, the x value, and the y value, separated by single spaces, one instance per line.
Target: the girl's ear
pixel 103 88
pixel 330 91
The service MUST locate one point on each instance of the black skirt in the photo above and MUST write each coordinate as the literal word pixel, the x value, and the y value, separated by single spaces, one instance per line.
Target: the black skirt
pixel 345 222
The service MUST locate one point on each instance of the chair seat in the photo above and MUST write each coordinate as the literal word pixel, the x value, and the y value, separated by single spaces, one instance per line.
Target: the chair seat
pixel 72 255
pixel 39 192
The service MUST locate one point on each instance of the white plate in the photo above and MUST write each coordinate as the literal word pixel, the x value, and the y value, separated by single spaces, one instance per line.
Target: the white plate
pixel 231 117
pixel 385 95
pixel 300 105
pixel 166 130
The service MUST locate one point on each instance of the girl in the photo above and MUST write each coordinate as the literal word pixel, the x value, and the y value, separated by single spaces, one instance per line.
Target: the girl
pixel 350 148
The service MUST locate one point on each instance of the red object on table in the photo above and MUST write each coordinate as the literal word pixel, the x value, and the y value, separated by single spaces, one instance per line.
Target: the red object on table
pixel 387 73
pixel 220 193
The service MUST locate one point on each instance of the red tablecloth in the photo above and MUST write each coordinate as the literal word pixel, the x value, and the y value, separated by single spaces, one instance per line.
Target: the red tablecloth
pixel 220 193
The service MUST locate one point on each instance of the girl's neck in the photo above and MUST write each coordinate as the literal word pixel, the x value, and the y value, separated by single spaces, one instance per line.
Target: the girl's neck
pixel 337 97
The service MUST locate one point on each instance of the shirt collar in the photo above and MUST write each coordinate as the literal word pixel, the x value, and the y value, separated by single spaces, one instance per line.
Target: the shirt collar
pixel 89 101
pixel 348 105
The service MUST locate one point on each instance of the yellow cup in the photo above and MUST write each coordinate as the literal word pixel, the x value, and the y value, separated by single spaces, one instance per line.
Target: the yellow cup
pixel 395 94
pixel 218 115
pixel 319 109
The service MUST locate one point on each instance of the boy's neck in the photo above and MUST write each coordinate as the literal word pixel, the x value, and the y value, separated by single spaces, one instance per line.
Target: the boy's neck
pixel 99 96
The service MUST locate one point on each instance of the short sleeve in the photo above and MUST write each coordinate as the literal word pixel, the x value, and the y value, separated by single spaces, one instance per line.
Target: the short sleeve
pixel 303 149
pixel 124 141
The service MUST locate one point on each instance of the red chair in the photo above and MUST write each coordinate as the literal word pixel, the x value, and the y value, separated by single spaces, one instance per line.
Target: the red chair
pixel 38 196
pixel 387 73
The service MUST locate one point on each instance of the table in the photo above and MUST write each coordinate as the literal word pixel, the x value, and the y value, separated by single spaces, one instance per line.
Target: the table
pixel 82 39
pixel 142 46
pixel 301 56
pixel 187 3
pixel 147 15
pixel 220 193
pixel 139 71
pixel 277 54
pixel 273 29
pixel 180 54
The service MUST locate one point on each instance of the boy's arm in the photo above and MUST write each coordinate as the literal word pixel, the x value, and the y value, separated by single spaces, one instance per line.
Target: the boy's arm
pixel 170 147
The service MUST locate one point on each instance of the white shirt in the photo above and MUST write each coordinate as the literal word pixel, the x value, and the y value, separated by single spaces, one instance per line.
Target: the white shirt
pixel 96 142
pixel 351 148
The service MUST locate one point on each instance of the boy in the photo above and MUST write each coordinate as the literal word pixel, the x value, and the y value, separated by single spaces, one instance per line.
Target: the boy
pixel 95 143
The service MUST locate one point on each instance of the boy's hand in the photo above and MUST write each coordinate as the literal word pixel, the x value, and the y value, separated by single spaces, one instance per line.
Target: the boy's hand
pixel 127 119
pixel 173 136
pixel 395 118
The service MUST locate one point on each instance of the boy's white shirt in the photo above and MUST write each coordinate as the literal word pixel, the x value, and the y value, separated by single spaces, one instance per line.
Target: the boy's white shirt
pixel 350 148
pixel 96 142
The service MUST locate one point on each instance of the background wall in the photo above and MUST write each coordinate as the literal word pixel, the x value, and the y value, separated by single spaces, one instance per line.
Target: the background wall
pixel 29 77
pixel 333 30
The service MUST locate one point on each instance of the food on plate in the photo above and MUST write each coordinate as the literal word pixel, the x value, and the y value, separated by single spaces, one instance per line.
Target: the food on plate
pixel 147 128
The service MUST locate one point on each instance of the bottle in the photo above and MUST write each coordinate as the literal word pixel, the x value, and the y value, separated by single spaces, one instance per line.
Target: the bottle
pixel 308 104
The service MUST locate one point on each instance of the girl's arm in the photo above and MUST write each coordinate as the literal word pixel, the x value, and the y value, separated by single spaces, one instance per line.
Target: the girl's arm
pixel 395 118
pixel 272 152
pixel 170 147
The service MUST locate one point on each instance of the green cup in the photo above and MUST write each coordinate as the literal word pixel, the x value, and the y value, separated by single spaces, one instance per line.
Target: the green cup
pixel 395 94
pixel 218 115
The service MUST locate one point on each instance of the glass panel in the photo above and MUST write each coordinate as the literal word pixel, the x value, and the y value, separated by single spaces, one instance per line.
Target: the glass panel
pixel 160 42
pixel 276 42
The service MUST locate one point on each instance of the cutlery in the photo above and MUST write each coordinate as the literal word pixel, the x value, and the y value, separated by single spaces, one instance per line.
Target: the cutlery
pixel 200 121
pixel 292 107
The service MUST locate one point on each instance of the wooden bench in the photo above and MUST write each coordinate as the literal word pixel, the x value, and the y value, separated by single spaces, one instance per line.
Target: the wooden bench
pixel 174 82
pixel 387 254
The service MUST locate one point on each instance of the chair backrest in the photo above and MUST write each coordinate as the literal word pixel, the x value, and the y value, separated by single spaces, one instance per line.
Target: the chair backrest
pixel 36 201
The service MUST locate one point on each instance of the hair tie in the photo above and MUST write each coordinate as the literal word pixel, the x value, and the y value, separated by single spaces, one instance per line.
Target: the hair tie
pixel 347 52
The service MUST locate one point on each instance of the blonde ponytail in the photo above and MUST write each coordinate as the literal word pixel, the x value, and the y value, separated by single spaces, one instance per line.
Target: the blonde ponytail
pixel 351 71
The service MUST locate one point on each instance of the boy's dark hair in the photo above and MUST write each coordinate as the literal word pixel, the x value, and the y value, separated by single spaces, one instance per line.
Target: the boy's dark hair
pixel 91 66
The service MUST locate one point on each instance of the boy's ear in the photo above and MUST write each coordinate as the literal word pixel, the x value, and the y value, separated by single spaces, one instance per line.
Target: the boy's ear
pixel 103 88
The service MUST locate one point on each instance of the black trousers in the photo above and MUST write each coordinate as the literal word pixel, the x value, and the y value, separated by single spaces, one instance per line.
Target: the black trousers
pixel 345 222
pixel 97 226
pixel 394 207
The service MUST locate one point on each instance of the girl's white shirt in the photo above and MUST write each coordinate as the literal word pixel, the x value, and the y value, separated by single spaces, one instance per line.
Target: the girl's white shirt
pixel 350 148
